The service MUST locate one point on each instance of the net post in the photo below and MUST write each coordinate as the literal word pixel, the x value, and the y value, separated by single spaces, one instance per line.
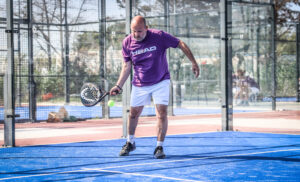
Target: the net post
pixel 105 108
pixel 102 56
pixel 273 57
pixel 67 61
pixel 31 82
pixel 127 84
pixel 9 91
pixel 298 60
pixel 226 66
pixel 167 28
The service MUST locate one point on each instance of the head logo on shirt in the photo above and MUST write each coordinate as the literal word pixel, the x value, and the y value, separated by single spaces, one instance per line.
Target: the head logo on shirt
pixel 141 51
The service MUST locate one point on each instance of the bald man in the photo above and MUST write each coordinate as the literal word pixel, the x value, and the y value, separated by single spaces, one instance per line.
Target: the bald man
pixel 145 49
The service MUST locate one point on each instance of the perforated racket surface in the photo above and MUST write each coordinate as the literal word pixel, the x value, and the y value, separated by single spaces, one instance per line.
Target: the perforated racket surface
pixel 91 94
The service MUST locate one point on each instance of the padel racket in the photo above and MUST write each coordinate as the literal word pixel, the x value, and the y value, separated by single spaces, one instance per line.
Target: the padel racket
pixel 91 94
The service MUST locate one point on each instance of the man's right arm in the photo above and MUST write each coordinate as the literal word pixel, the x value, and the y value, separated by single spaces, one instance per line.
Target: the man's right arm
pixel 186 50
pixel 125 72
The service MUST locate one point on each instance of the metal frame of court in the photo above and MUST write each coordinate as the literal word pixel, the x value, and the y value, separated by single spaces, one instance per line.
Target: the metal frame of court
pixel 226 64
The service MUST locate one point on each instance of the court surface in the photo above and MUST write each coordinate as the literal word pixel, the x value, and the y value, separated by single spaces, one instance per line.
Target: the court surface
pixel 213 156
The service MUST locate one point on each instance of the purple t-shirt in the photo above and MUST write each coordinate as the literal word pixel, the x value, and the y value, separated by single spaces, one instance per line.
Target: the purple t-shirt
pixel 149 56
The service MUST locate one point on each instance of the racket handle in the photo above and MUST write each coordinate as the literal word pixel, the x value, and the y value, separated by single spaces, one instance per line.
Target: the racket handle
pixel 116 92
pixel 104 95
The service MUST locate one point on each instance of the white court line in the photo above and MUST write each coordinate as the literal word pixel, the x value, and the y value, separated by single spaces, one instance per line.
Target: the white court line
pixel 144 164
pixel 199 158
pixel 147 175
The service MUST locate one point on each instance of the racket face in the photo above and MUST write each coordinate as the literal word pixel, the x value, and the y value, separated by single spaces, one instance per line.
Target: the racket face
pixel 90 94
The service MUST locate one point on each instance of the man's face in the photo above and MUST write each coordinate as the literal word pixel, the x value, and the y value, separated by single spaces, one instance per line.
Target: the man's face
pixel 138 31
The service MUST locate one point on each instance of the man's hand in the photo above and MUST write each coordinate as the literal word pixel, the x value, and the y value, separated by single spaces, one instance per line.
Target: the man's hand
pixel 115 90
pixel 195 69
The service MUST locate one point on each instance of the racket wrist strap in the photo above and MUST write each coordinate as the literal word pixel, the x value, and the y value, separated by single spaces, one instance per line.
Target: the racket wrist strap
pixel 119 87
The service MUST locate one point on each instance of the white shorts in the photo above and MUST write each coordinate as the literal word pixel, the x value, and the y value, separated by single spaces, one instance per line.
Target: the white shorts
pixel 141 96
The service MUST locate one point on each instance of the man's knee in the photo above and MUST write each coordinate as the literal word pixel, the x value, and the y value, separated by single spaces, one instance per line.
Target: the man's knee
pixel 133 116
pixel 135 112
pixel 162 118
pixel 162 112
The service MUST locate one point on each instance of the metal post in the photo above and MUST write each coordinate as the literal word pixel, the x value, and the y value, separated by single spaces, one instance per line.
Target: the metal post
pixel 31 82
pixel 127 85
pixel 298 61
pixel 66 68
pixel 226 65
pixel 166 15
pixel 258 49
pixel 102 55
pixel 167 28
pixel 273 58
pixel 19 79
pixel 9 91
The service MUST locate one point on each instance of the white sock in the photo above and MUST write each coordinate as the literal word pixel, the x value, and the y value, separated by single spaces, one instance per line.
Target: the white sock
pixel 159 143
pixel 130 138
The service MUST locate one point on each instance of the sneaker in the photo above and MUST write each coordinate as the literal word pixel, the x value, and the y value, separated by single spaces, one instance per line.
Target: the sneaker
pixel 128 147
pixel 159 153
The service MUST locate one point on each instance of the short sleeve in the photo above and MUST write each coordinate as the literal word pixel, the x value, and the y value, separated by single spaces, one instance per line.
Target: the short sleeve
pixel 169 40
pixel 125 50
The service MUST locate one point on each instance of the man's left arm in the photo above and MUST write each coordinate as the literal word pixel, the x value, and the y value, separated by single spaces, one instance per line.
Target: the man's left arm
pixel 186 50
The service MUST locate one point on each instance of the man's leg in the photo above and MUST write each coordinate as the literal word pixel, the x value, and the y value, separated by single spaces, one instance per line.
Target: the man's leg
pixel 134 114
pixel 160 95
pixel 140 96
pixel 162 121
pixel 162 127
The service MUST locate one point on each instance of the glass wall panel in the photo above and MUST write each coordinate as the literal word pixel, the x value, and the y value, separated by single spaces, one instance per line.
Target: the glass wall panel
pixel 3 58
pixel 251 50
pixel 286 68
pixel 197 24
pixel 148 8
pixel 83 11
pixel 252 70
pixel 3 9
pixel 115 10
pixel 115 33
pixel 253 1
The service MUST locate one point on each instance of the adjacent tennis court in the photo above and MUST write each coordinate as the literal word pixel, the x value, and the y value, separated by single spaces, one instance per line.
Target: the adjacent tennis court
pixel 213 156
pixel 96 111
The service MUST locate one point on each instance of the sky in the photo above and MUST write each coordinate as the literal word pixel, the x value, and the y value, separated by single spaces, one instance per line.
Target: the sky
pixel 294 7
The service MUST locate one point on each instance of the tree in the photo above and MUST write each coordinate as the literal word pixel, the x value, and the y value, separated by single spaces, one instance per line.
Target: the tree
pixel 50 17
pixel 286 16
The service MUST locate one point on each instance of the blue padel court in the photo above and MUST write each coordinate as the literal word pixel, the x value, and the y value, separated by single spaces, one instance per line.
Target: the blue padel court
pixel 215 156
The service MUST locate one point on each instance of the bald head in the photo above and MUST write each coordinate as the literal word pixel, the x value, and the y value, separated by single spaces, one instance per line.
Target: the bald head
pixel 139 28
pixel 139 20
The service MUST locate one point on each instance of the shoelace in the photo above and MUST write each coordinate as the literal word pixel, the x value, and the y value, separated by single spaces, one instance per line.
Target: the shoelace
pixel 158 148
pixel 126 146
